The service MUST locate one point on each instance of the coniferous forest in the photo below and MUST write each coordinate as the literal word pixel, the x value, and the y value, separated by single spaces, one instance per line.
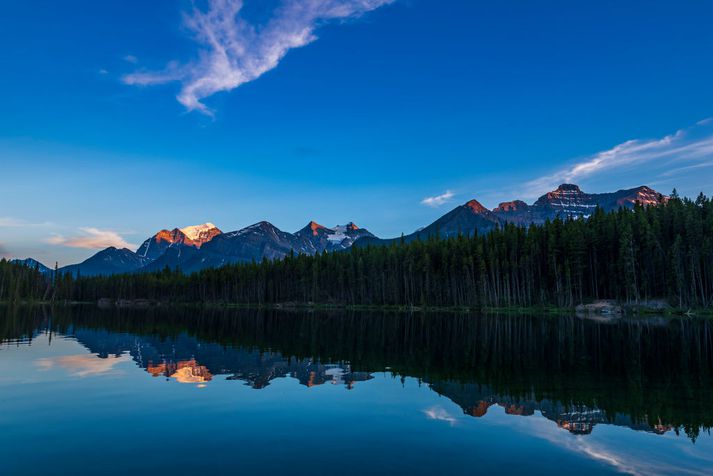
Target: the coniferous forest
pixel 631 255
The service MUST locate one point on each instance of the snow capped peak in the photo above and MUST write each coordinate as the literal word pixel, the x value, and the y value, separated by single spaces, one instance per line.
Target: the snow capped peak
pixel 196 232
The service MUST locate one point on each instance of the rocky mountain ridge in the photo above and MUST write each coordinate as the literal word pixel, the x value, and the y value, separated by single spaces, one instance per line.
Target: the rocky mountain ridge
pixel 566 201
pixel 192 237
pixel 205 246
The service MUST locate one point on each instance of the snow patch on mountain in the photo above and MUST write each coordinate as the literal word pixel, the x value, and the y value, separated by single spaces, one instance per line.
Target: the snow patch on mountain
pixel 338 236
pixel 197 232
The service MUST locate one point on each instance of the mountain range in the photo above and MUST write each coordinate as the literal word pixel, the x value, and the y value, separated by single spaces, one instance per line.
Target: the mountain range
pixel 567 201
pixel 205 246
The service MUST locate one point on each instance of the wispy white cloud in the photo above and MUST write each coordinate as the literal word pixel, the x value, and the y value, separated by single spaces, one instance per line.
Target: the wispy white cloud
pixel 131 59
pixel 686 149
pixel 687 168
pixel 441 414
pixel 10 222
pixel 438 200
pixel 234 51
pixel 91 238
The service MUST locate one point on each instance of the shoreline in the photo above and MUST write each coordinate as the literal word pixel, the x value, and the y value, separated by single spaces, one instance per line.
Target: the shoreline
pixel 628 310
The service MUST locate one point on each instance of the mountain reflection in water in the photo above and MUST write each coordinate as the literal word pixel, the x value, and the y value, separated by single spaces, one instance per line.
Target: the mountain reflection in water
pixel 652 375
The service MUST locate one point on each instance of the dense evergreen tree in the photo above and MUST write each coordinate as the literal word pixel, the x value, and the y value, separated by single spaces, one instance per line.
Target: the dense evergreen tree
pixel 19 282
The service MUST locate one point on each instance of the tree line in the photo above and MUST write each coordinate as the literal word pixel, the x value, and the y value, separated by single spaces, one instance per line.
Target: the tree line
pixel 631 255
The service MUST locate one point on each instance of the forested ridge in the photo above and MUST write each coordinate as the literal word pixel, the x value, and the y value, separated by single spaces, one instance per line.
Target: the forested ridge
pixel 631 255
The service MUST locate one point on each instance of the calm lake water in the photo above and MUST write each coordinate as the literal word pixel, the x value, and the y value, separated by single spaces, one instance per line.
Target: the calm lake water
pixel 88 391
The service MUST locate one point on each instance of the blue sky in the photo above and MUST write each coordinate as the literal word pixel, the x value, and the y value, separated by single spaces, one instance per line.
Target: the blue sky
pixel 121 117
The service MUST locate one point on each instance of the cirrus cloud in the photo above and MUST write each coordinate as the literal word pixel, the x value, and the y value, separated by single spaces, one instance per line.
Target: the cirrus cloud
pixel 10 222
pixel 234 51
pixel 91 238
pixel 438 200
pixel 683 151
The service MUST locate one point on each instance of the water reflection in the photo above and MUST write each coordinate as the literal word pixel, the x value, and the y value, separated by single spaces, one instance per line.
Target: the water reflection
pixel 81 365
pixel 652 375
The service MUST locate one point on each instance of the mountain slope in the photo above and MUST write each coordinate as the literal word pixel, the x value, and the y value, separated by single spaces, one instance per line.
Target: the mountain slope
pixel 255 242
pixel 109 261
pixel 33 263
pixel 319 238
pixel 174 257
pixel 192 236
pixel 466 219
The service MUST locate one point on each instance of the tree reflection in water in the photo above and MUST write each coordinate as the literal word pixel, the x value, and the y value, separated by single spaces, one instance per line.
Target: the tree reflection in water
pixel 650 374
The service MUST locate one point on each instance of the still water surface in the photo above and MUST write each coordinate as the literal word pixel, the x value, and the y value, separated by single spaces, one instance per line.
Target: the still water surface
pixel 88 391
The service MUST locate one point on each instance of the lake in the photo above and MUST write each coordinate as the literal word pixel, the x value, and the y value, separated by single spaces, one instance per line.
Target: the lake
pixel 189 391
